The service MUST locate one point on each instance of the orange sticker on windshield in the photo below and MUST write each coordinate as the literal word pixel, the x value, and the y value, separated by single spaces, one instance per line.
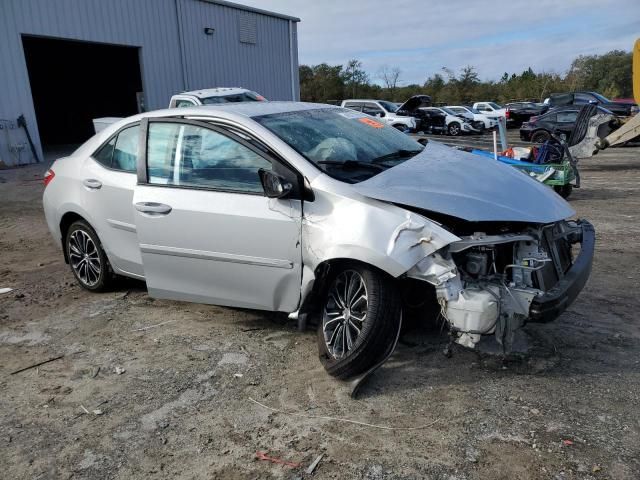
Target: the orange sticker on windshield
pixel 371 123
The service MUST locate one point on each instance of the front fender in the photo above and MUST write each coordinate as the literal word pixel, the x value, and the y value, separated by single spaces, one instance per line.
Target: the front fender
pixel 354 227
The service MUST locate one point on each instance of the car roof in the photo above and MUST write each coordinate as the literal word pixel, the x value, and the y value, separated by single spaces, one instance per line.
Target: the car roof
pixel 215 92
pixel 247 109
pixel 363 100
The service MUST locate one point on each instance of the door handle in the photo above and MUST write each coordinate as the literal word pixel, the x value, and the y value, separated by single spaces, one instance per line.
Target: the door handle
pixel 92 183
pixel 153 208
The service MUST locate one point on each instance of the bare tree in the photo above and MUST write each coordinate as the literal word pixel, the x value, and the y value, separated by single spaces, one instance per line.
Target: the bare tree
pixel 354 76
pixel 390 77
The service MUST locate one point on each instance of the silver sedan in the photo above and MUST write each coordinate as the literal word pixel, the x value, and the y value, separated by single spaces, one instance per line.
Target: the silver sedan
pixel 320 212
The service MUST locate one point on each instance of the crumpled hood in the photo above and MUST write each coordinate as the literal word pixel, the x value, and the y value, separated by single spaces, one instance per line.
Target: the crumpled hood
pixel 460 184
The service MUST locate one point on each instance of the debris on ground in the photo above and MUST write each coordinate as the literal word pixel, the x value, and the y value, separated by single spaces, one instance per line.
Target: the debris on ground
pixel 279 461
pixel 310 469
pixel 37 364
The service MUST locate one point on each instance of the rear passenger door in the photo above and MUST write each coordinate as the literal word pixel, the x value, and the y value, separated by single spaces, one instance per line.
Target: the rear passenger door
pixel 207 232
pixel 109 178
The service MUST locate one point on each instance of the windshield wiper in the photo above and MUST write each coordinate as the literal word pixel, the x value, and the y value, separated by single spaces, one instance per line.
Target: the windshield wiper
pixel 397 154
pixel 352 164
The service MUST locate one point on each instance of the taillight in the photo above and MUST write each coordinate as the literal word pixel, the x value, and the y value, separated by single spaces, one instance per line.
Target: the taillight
pixel 48 177
pixel 507 114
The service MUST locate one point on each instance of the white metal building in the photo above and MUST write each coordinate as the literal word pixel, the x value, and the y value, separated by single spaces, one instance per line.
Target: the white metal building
pixel 65 62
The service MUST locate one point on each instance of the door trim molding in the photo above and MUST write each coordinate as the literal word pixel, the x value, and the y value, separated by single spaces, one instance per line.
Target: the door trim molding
pixel 215 256
pixel 127 227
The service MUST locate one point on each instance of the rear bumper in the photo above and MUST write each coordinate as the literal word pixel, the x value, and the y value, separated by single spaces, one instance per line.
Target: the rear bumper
pixel 549 305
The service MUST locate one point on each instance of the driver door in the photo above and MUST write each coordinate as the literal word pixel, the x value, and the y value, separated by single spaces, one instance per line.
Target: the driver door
pixel 207 232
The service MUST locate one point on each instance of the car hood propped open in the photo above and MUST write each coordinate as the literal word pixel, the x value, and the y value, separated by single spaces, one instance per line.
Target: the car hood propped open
pixel 415 102
pixel 471 187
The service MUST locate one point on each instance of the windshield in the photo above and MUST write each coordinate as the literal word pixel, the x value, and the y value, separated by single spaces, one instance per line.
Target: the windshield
pixel 235 98
pixel 347 145
pixel 388 106
pixel 495 105
pixel 474 110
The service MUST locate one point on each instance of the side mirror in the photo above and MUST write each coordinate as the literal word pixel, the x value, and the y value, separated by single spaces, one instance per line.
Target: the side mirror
pixel 274 185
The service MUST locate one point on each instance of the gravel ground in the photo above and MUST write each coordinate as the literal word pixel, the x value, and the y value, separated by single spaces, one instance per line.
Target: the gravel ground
pixel 168 386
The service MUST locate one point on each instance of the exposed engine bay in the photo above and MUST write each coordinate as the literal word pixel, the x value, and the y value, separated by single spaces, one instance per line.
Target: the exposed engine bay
pixel 490 283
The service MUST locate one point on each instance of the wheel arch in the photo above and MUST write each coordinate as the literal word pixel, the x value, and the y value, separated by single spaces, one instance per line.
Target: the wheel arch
pixel 65 222
pixel 317 281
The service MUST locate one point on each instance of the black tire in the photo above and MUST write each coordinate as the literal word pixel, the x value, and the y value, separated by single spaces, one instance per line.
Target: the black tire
pixel 563 190
pixel 87 259
pixel 377 330
pixel 540 136
pixel 454 129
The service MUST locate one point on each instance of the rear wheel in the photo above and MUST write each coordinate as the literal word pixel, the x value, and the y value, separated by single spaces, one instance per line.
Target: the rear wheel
pixel 87 259
pixel 454 129
pixel 360 319
pixel 540 136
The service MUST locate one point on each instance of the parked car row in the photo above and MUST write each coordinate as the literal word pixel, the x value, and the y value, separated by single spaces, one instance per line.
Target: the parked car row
pixel 419 115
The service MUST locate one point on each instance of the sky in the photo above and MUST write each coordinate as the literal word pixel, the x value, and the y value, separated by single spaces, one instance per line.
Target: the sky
pixel 422 36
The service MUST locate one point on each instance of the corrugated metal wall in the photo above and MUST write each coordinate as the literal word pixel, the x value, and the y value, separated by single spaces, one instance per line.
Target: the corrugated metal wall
pixel 209 60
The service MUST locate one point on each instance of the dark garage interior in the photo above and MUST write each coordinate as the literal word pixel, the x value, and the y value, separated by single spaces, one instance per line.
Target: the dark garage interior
pixel 73 82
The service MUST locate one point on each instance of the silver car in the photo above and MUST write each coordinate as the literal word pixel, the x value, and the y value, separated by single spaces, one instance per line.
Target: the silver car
pixel 320 212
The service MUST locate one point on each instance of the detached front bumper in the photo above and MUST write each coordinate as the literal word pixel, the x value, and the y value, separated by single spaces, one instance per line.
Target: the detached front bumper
pixel 549 305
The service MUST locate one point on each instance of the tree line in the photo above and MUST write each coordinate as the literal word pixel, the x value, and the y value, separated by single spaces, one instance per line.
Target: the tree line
pixel 608 74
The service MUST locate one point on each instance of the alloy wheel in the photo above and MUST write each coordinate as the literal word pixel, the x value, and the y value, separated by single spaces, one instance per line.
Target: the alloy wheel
pixel 345 313
pixel 84 258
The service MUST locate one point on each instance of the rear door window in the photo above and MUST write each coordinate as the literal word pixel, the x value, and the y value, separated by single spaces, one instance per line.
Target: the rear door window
pixel 353 106
pixel 181 103
pixel 125 153
pixel 121 151
pixel 567 117
pixel 372 109
pixel 105 154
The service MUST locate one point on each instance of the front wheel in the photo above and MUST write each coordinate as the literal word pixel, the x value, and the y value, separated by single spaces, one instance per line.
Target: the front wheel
pixel 454 129
pixel 87 259
pixel 360 319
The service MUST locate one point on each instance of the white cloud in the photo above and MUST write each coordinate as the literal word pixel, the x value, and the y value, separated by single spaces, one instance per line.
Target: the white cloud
pixel 421 36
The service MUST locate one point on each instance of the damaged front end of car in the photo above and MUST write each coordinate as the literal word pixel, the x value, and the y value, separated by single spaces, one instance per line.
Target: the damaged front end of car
pixel 517 255
pixel 494 282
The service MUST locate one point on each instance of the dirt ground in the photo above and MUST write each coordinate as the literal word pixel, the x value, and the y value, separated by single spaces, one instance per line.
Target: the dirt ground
pixel 174 400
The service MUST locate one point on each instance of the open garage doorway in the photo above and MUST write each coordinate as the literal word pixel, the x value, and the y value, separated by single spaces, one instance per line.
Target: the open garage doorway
pixel 73 82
